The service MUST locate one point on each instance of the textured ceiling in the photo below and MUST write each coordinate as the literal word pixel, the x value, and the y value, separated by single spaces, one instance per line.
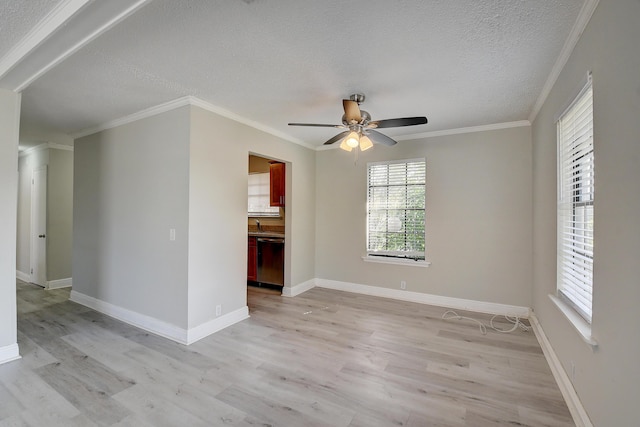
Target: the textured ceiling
pixel 17 17
pixel 461 63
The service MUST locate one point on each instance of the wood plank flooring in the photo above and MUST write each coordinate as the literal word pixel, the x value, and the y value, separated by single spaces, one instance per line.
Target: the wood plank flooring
pixel 324 358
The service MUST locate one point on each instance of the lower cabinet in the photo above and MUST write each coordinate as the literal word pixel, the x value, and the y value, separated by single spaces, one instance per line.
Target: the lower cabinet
pixel 252 259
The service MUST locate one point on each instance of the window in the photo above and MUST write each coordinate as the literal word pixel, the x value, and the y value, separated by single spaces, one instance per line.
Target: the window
pixel 396 209
pixel 259 202
pixel 575 203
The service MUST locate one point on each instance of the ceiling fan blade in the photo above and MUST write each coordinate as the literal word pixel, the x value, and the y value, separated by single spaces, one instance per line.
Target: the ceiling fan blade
pixel 392 123
pixel 380 138
pixel 351 111
pixel 319 125
pixel 338 137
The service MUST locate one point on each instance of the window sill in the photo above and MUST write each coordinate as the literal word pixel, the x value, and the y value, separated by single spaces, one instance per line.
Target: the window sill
pixel 396 261
pixel 579 324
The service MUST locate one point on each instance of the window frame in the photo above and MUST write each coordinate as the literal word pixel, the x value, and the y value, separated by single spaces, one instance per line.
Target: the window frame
pixel 391 256
pixel 575 204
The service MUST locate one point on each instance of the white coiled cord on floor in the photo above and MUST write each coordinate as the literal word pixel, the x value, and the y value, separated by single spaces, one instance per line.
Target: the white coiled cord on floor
pixel 517 323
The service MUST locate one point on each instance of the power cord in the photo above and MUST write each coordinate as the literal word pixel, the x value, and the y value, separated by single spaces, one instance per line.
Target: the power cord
pixel 517 323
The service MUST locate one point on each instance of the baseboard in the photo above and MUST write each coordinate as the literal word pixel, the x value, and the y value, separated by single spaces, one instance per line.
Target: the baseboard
pixel 60 283
pixel 292 291
pixel 23 276
pixel 578 412
pixel 142 321
pixel 9 353
pixel 437 300
pixel 160 327
pixel 217 324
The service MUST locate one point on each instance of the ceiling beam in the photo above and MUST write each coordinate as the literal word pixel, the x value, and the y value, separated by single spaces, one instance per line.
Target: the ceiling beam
pixel 70 26
pixel 42 31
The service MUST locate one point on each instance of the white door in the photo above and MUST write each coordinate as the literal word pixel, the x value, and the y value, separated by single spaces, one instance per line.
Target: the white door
pixel 39 226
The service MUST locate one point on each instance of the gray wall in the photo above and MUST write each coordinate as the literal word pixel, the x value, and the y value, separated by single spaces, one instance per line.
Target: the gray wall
pixel 9 128
pixel 478 231
pixel 607 380
pixel 185 169
pixel 131 185
pixel 219 153
pixel 59 214
pixel 59 210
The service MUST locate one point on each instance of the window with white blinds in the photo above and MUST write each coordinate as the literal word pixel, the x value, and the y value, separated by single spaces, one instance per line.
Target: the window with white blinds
pixel 575 203
pixel 396 209
pixel 259 201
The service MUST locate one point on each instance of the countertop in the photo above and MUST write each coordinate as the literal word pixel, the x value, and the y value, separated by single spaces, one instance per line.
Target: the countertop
pixel 266 234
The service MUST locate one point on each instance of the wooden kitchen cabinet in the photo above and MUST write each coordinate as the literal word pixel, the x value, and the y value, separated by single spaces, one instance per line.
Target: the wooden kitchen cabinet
pixel 252 260
pixel 277 176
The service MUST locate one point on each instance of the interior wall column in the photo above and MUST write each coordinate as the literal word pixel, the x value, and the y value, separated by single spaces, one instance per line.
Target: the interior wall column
pixel 9 135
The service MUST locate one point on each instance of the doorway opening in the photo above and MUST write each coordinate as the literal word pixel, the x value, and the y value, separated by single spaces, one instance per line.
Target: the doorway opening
pixel 266 222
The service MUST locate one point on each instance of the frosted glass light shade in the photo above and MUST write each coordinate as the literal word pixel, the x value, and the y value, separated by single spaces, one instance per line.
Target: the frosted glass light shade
pixel 352 140
pixel 344 145
pixel 365 143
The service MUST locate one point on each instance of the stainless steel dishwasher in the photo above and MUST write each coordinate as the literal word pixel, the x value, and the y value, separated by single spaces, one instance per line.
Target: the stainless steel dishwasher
pixel 271 260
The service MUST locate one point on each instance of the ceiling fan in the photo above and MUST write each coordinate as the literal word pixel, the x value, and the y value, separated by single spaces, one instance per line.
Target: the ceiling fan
pixel 360 128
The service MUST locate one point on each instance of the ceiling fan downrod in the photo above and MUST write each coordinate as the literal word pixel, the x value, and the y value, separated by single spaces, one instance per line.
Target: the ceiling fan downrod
pixel 357 97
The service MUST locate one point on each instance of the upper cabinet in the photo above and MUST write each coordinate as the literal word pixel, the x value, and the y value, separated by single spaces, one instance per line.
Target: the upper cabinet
pixel 277 175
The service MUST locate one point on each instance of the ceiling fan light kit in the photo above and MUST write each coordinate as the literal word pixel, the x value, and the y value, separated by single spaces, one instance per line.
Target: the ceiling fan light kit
pixel 354 140
pixel 360 128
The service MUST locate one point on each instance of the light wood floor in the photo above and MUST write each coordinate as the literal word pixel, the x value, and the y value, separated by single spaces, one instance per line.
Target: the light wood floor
pixel 324 358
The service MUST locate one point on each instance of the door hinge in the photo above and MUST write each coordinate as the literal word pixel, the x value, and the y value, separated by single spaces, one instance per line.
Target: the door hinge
pixel 32 271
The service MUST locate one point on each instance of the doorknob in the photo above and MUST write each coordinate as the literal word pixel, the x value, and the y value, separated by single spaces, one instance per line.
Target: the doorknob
pixel 42 236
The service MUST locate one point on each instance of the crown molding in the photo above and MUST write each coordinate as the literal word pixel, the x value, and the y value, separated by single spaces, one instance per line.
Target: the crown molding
pixel 45 146
pixel 60 146
pixel 233 116
pixel 142 114
pixel 197 102
pixel 31 150
pixel 470 129
pixel 581 23
pixel 181 102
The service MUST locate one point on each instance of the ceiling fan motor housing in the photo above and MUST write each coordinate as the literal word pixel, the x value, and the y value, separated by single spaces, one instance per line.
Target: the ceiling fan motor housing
pixel 365 118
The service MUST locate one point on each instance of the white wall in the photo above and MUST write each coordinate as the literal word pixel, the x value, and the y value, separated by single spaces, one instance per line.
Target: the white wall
pixel 219 154
pixel 131 186
pixel 26 164
pixel 9 129
pixel 478 227
pixel 607 380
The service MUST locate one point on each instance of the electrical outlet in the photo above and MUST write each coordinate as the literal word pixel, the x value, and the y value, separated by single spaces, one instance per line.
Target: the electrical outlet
pixel 172 234
pixel 218 310
pixel 403 284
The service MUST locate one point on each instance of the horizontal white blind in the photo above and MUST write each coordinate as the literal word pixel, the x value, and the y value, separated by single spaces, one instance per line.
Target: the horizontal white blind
pixel 575 203
pixel 396 209
pixel 259 201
